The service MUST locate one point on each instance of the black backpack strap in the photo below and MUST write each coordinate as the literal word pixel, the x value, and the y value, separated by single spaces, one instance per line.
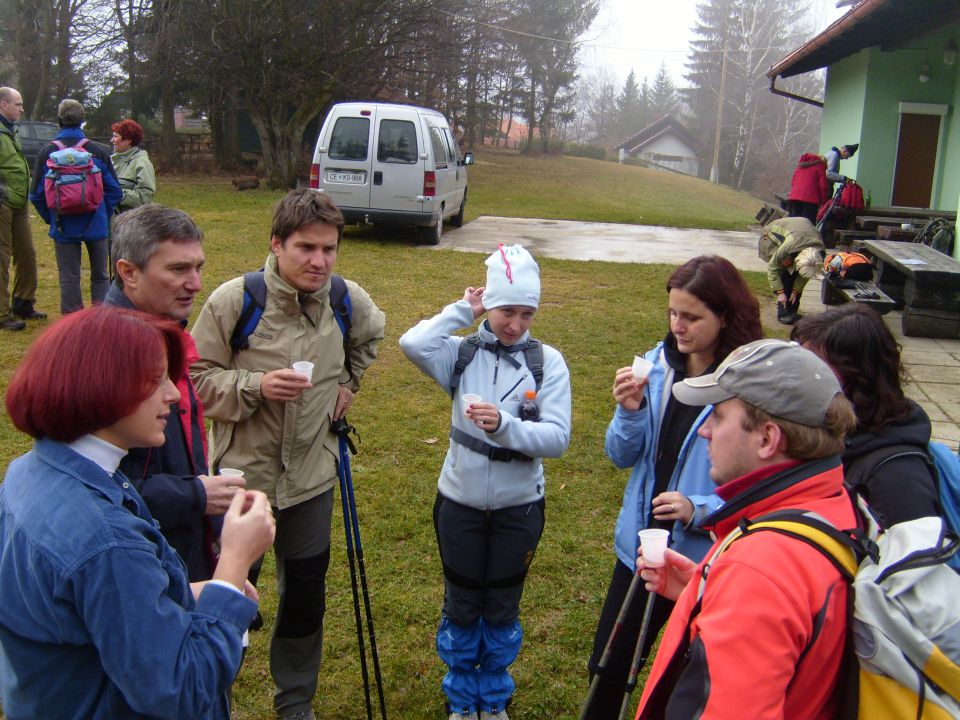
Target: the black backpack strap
pixel 343 314
pixel 533 355
pixel 254 301
pixel 857 473
pixel 493 452
pixel 465 354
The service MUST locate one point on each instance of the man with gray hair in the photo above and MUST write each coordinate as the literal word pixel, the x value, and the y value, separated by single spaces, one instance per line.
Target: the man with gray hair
pixel 89 228
pixel 759 625
pixel 159 256
pixel 15 239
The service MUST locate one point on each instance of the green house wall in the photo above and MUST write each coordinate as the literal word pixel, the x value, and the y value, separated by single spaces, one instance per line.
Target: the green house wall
pixel 862 101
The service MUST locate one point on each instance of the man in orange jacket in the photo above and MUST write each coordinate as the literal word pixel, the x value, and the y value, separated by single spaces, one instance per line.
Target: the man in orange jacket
pixel 758 630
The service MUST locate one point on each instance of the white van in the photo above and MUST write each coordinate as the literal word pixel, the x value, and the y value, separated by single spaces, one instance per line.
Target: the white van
pixel 386 163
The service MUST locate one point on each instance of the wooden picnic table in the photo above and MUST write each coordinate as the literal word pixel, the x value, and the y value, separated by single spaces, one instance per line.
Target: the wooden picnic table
pixel 906 212
pixel 924 281
pixel 872 222
pixel 895 232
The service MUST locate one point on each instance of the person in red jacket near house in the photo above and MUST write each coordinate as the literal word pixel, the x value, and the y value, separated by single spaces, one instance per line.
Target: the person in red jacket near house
pixel 758 630
pixel 809 188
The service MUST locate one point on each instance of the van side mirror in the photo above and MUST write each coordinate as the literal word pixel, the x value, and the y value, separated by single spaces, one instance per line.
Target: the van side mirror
pixel 467 158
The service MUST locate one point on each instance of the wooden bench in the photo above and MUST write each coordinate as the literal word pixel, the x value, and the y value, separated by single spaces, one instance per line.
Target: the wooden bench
pixel 832 293
pixel 921 280
pixel 769 212
pixel 848 237
pixel 895 232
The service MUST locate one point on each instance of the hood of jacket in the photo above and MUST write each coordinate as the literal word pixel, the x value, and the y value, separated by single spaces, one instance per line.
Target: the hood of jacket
pixel 912 430
pixel 810 159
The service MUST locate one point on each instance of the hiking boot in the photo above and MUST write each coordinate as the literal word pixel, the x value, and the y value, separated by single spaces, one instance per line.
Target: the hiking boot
pixel 25 310
pixel 12 323
pixel 462 716
pixel 787 318
pixel 502 715
pixel 300 715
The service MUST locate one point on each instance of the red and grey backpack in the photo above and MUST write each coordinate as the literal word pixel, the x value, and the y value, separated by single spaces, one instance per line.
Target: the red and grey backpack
pixel 73 184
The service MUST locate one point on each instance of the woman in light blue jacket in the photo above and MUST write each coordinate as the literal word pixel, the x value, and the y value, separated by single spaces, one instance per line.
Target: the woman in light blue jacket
pixel 489 511
pixel 711 311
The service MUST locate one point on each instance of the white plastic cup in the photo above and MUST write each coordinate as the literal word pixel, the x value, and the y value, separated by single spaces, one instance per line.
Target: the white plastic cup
pixel 231 472
pixel 304 368
pixel 906 226
pixel 468 399
pixel 653 541
pixel 641 367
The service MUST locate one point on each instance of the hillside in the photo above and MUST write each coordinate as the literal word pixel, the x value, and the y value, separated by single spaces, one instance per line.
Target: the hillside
pixel 504 182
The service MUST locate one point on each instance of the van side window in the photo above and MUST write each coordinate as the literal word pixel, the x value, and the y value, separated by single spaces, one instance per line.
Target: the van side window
pixel 350 139
pixel 439 146
pixel 397 142
pixel 454 149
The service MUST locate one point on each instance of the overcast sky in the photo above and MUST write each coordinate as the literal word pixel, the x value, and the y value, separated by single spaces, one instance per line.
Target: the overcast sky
pixel 640 34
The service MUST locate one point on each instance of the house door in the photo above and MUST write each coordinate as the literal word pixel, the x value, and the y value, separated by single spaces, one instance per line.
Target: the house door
pixel 916 160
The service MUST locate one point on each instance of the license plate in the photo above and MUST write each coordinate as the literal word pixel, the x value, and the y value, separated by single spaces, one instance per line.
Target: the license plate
pixel 346 177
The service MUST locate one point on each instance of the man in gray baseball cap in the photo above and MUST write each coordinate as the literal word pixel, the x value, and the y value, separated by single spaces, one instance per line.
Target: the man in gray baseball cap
pixel 761 622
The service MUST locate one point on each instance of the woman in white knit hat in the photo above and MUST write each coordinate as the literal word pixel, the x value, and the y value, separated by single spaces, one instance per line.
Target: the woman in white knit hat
pixel 489 511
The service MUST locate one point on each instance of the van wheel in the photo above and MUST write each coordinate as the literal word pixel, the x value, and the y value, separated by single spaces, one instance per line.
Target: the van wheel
pixel 432 235
pixel 457 220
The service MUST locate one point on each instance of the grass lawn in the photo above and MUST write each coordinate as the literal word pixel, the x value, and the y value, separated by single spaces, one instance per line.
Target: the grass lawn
pixel 598 314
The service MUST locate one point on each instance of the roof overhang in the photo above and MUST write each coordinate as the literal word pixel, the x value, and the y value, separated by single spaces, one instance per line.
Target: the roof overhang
pixel 889 24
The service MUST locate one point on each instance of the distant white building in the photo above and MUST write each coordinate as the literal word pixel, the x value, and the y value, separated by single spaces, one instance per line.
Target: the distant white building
pixel 664 143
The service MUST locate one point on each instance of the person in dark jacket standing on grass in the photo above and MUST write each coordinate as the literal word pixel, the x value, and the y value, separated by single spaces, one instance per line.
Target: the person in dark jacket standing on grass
pixel 15 240
pixel 159 257
pixel 809 188
pixel 855 341
pixel 69 231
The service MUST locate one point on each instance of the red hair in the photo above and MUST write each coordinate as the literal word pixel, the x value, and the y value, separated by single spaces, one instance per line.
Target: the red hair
pixel 129 130
pixel 716 283
pixel 90 369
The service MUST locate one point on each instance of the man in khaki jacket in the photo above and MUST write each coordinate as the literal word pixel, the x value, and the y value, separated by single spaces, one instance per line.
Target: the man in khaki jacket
pixel 275 425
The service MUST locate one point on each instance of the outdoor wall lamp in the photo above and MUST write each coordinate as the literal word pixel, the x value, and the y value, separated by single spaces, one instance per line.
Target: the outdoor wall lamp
pixel 950 52
pixel 924 75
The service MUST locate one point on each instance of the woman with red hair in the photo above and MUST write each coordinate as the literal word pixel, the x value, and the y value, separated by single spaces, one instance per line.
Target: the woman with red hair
pixel 88 584
pixel 133 166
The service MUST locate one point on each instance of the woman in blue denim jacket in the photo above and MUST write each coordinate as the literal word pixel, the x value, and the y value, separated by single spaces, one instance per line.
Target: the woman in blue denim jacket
pixel 97 618
pixel 711 311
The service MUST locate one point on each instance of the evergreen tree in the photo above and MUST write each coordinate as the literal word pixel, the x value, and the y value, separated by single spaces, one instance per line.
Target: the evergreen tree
pixel 664 99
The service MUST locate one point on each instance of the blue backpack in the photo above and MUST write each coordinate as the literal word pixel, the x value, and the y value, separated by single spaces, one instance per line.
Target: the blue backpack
pixel 255 300
pixel 944 465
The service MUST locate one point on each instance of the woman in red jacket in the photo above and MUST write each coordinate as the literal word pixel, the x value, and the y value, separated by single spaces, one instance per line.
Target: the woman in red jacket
pixel 809 188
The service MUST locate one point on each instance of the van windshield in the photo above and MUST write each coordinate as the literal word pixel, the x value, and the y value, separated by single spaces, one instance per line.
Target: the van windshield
pixel 350 139
pixel 397 142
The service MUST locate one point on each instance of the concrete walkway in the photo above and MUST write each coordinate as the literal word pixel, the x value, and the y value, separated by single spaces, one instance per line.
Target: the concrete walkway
pixel 932 366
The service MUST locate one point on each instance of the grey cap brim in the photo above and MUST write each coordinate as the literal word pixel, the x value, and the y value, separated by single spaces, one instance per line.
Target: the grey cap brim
pixel 700 391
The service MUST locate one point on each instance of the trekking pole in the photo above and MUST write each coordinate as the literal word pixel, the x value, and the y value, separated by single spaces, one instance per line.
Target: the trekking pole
pixel 342 473
pixel 617 626
pixel 346 446
pixel 639 657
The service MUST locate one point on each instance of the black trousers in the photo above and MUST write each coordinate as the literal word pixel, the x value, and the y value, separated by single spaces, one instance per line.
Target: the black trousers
pixel 613 679
pixel 787 280
pixel 798 208
pixel 485 555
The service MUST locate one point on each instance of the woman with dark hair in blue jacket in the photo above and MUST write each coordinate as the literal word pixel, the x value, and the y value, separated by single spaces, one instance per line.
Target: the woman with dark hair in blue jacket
pixel 711 311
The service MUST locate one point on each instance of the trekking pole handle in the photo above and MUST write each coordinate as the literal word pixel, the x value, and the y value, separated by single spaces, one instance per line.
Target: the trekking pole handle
pixel 343 429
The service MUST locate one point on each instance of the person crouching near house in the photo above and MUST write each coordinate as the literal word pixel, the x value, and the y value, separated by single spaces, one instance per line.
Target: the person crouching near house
pixel 797 259
pixel 489 511
pixel 760 624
